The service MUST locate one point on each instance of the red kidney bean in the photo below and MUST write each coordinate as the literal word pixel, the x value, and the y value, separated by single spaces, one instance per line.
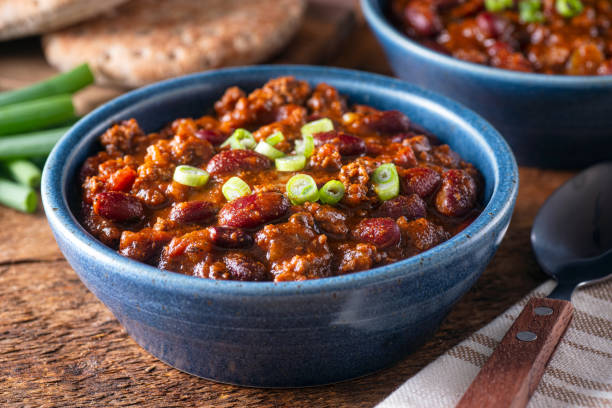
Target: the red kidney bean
pixel 193 212
pixel 118 206
pixel 122 179
pixel 490 25
pixel 244 268
pixel 348 145
pixel 420 180
pixel 382 232
pixel 254 210
pixel 423 17
pixel 391 121
pixel 230 237
pixel 411 207
pixel 212 136
pixel 457 195
pixel 229 161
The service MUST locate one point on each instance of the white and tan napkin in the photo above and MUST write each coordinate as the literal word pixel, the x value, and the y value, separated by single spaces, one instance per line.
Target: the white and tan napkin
pixel 579 373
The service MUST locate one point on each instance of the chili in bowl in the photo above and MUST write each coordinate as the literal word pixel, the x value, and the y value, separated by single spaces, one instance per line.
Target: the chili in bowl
pixel 224 326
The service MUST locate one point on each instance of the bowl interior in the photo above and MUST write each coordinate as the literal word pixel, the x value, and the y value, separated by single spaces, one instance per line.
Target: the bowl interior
pixel 157 105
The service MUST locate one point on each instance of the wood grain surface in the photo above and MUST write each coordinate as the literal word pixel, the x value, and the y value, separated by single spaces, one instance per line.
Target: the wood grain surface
pixel 513 372
pixel 59 346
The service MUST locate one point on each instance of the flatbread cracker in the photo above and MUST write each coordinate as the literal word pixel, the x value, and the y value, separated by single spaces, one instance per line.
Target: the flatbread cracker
pixel 145 41
pixel 20 18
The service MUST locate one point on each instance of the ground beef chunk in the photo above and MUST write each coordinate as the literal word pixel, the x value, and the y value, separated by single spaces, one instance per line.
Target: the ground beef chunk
pixel 125 138
pixel 356 257
pixel 326 157
pixel 326 101
pixel 422 234
pixel 295 250
pixel 329 219
pixel 145 245
pixel 183 253
pixel 356 179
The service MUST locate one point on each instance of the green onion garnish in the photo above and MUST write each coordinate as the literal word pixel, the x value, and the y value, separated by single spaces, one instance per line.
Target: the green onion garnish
pixel 235 188
pixel 37 114
pixel 33 144
pixel 23 171
pixel 268 151
pixel 65 83
pixel 496 6
pixel 386 181
pixel 317 126
pixel 569 8
pixel 302 188
pixel 16 196
pixel 290 163
pixel 530 11
pixel 190 176
pixel 305 147
pixel 332 192
pixel 275 138
pixel 240 139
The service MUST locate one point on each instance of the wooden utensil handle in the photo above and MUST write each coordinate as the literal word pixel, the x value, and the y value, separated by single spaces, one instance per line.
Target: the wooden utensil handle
pixel 513 371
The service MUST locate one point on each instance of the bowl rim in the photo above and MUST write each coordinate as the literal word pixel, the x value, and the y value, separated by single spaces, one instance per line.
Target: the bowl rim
pixel 65 224
pixel 373 13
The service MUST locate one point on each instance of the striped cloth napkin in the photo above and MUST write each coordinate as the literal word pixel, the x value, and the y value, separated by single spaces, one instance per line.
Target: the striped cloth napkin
pixel 579 374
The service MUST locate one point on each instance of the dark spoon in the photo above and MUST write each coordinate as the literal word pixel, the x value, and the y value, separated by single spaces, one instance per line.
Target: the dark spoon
pixel 572 239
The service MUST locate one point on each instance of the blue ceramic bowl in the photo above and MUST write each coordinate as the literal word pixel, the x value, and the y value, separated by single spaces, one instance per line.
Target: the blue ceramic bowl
pixel 291 333
pixel 548 120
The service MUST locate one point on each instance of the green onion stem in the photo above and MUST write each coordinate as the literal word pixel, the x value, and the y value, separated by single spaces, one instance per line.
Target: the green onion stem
pixel 32 115
pixel 65 83
pixel 33 144
pixel 23 171
pixel 16 196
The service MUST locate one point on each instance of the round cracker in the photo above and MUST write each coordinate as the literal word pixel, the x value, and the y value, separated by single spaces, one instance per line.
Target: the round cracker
pixel 148 40
pixel 20 18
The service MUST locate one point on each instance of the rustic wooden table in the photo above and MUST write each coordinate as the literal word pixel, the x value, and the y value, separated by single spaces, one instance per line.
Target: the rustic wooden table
pixel 59 346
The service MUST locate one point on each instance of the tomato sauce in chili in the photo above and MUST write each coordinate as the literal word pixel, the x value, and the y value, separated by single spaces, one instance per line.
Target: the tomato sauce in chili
pixel 132 202
pixel 543 36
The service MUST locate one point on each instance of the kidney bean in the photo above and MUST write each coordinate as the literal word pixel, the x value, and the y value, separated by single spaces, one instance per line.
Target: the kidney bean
pixel 244 268
pixel 382 232
pixel 122 179
pixel 212 136
pixel 411 207
pixel 422 181
pixel 392 121
pixel 457 195
pixel 348 145
pixel 422 16
pixel 230 237
pixel 229 161
pixel 118 206
pixel 192 212
pixel 254 210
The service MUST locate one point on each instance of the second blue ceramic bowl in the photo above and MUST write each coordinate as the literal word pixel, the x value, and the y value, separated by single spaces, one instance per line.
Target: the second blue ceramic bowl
pixel 291 333
pixel 549 120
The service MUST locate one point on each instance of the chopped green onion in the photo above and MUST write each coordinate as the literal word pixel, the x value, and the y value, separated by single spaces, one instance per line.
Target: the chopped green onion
pixel 496 6
pixel 386 181
pixel 275 138
pixel 530 11
pixel 268 151
pixel 190 176
pixel 67 82
pixel 16 196
pixel 32 115
pixel 302 188
pixel 290 163
pixel 317 126
pixel 240 139
pixel 569 8
pixel 24 172
pixel 305 147
pixel 332 192
pixel 30 144
pixel 235 188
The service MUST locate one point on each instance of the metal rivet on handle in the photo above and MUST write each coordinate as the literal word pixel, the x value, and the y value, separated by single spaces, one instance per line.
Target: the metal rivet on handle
pixel 526 336
pixel 543 311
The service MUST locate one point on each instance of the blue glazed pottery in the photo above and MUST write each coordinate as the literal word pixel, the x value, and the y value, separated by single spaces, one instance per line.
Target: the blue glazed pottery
pixel 549 120
pixel 285 334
